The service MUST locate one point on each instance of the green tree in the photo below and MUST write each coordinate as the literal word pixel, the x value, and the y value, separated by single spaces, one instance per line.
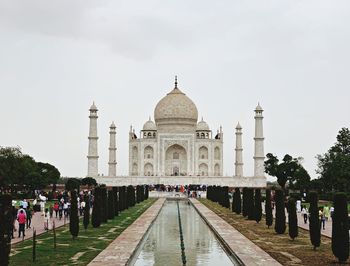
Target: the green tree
pixel 48 172
pixel 111 207
pixel 280 221
pixel 268 208
pixel 73 183
pixel 96 209
pixel 289 170
pixel 257 206
pixel 237 201
pixel 245 202
pixel 104 209
pixel 250 204
pixel 314 225
pixel 86 219
pixel 5 228
pixel 292 219
pixel 334 166
pixel 89 181
pixel 340 228
pixel 74 219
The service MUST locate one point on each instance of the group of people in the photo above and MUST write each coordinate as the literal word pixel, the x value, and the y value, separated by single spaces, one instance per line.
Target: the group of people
pixel 23 215
pixel 324 213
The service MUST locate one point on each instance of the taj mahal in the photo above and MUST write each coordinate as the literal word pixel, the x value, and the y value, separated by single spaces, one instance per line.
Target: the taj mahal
pixel 177 149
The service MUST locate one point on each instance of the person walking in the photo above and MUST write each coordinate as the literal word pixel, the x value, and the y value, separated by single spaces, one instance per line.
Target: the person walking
pixel 46 219
pixel 60 210
pixel 21 218
pixel 29 217
pixel 55 208
pixel 322 219
pixel 304 214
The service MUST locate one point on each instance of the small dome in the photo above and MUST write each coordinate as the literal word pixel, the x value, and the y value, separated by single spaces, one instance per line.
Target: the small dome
pixel 259 108
pixel 202 126
pixel 112 125
pixel 149 125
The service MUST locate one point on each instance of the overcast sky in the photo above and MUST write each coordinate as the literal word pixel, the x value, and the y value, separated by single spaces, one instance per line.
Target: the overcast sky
pixel 56 57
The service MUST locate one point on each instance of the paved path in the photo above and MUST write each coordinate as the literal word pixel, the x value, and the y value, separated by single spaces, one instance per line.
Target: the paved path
pixel 123 247
pixel 246 250
pixel 38 224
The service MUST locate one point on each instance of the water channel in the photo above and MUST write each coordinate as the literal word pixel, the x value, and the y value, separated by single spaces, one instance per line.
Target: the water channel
pixel 162 244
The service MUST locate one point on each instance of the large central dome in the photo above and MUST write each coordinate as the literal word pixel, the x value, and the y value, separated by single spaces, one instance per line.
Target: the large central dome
pixel 176 112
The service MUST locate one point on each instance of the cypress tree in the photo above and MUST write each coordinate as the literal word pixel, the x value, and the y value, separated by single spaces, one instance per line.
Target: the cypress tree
pixel 268 209
pixel 233 202
pixel 226 198
pixel 257 205
pixel 74 219
pixel 5 227
pixel 104 209
pixel 292 219
pixel 86 218
pixel 280 223
pixel 111 206
pixel 314 225
pixel 146 192
pixel 250 204
pixel 340 228
pixel 96 209
pixel 244 205
pixel 116 201
pixel 237 200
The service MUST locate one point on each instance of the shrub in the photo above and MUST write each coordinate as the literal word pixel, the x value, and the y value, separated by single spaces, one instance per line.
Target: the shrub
pixel 244 205
pixel 292 219
pixel 5 227
pixel 74 220
pixel 280 223
pixel 116 201
pixel 315 225
pixel 340 228
pixel 250 203
pixel 268 209
pixel 110 203
pixel 237 201
pixel 257 206
pixel 104 209
pixel 86 219
pixel 96 210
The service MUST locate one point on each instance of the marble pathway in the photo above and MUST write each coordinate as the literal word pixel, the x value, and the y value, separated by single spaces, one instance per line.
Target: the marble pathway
pixel 249 253
pixel 123 247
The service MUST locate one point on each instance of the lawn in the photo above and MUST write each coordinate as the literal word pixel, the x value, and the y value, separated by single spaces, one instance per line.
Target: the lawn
pixel 80 251
pixel 280 247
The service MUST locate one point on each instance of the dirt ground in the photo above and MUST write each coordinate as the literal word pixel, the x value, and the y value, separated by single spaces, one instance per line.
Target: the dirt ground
pixel 280 247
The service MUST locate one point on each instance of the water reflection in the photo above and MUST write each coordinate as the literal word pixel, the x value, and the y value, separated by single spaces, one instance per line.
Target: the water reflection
pixel 162 246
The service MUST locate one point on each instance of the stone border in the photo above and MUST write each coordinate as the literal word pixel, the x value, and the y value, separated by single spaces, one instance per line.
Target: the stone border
pixel 122 249
pixel 238 244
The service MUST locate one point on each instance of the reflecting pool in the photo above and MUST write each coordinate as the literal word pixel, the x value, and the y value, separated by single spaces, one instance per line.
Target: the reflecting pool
pixel 162 244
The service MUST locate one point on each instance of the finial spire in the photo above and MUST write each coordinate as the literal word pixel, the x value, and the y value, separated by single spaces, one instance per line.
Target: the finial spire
pixel 175 82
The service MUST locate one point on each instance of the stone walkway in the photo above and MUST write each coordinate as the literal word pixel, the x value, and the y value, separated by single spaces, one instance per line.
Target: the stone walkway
pixel 249 253
pixel 38 225
pixel 123 247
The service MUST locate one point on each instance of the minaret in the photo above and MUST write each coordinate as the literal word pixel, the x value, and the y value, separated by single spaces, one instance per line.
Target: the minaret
pixel 93 154
pixel 112 163
pixel 259 155
pixel 239 152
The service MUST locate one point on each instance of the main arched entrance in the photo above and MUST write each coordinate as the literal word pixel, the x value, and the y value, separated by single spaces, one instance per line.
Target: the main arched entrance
pixel 176 160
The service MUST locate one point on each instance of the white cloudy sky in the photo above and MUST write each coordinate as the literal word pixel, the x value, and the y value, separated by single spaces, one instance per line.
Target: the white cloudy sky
pixel 56 57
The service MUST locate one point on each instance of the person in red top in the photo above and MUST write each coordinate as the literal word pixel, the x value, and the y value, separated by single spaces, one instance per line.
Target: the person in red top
pixel 21 218
pixel 55 208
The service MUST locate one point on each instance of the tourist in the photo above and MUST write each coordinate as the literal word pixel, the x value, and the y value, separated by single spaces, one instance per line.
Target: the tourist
pixel 322 218
pixel 326 212
pixel 304 214
pixel 331 210
pixel 21 218
pixel 19 210
pixel 46 219
pixel 82 207
pixel 60 210
pixel 25 204
pixel 56 208
pixel 29 217
pixel 51 211
pixel 65 209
